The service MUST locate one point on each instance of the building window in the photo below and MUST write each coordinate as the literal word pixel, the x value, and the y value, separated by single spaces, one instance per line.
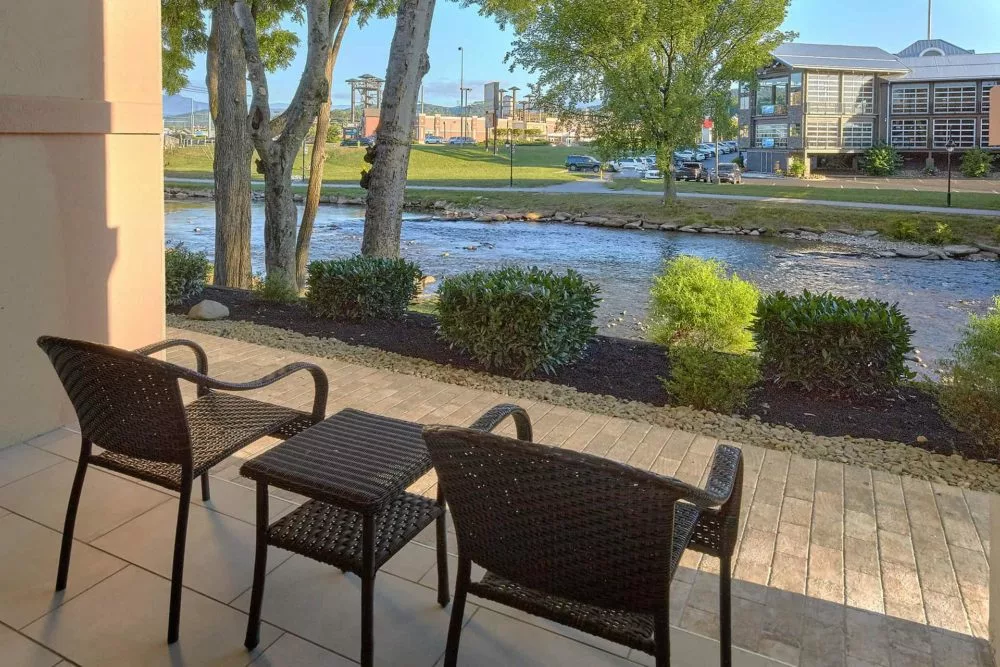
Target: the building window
pixel 795 90
pixel 772 136
pixel 772 97
pixel 859 94
pixel 823 133
pixel 795 130
pixel 987 87
pixel 858 134
pixel 909 133
pixel 962 131
pixel 744 97
pixel 909 99
pixel 823 94
pixel 984 134
pixel 955 98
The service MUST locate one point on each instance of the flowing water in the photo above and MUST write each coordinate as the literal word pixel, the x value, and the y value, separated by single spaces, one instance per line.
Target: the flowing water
pixel 936 296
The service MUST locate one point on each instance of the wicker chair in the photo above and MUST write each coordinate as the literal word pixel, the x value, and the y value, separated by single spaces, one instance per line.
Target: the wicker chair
pixel 130 405
pixel 579 539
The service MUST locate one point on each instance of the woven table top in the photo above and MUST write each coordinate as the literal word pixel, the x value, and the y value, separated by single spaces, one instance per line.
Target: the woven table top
pixel 353 459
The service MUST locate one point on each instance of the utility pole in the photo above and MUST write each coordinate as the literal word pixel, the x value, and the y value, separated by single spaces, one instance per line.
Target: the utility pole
pixel 465 109
pixel 513 112
pixel 461 87
pixel 930 11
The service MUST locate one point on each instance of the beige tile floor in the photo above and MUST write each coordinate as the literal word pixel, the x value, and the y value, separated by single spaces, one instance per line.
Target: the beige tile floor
pixel 836 565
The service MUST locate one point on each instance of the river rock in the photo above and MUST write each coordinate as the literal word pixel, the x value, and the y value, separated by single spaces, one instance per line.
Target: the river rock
pixel 911 253
pixel 813 230
pixel 959 250
pixel 484 218
pixel 441 204
pixel 846 231
pixel 808 236
pixel 632 225
pixel 886 254
pixel 710 230
pixel 593 219
pixel 532 216
pixel 617 223
pixel 668 227
pixel 560 216
pixel 982 257
pixel 988 248
pixel 690 228
pixel 754 232
pixel 208 310
pixel 869 233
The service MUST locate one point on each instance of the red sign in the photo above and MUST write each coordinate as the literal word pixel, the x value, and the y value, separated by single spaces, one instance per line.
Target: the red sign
pixel 708 124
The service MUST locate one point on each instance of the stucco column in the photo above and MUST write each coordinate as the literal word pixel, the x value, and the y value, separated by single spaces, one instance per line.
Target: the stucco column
pixel 81 191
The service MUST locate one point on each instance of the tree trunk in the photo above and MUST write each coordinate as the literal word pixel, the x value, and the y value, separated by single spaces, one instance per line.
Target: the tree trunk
pixel 665 155
pixel 227 101
pixel 317 161
pixel 408 63
pixel 278 140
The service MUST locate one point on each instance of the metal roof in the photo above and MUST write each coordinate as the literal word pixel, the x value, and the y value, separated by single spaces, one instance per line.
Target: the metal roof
pixel 918 47
pixel 837 57
pixel 952 68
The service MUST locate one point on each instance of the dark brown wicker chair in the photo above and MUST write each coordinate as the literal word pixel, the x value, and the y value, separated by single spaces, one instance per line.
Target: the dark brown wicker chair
pixel 130 405
pixel 579 539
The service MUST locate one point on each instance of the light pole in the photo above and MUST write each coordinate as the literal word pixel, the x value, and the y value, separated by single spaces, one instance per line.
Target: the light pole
pixel 497 103
pixel 461 87
pixel 951 149
pixel 465 109
pixel 513 110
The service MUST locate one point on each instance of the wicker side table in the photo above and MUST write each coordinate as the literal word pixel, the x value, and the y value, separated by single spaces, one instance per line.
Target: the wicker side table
pixel 355 467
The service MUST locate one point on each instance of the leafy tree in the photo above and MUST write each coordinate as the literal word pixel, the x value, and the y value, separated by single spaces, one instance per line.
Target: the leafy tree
pixel 182 33
pixel 977 162
pixel 881 160
pixel 655 66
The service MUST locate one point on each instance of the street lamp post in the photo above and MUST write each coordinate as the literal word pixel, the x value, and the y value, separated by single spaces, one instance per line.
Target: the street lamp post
pixel 951 149
pixel 496 118
pixel 510 133
pixel 461 87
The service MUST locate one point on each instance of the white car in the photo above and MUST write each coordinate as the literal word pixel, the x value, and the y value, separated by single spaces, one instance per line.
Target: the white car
pixel 628 164
pixel 652 173
pixel 684 155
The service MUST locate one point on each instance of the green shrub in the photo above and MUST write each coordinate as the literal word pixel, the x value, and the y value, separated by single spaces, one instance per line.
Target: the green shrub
pixel 186 273
pixel 976 163
pixel 739 162
pixel 942 235
pixel 996 234
pixel 709 380
pixel 272 290
pixel 832 344
pixel 516 319
pixel 905 230
pixel 362 287
pixel 970 392
pixel 881 160
pixel 796 168
pixel 694 303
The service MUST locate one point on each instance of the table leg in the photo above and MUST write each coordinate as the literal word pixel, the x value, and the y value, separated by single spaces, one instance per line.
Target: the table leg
pixel 367 590
pixel 442 552
pixel 259 569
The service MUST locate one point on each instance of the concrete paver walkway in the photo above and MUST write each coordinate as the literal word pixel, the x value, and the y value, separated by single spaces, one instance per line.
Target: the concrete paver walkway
pixel 836 565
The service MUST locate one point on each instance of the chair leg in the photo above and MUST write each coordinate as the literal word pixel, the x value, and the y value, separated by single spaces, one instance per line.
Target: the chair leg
pixel 661 636
pixel 442 552
pixel 457 611
pixel 725 612
pixel 368 590
pixel 177 575
pixel 259 570
pixel 206 493
pixel 74 504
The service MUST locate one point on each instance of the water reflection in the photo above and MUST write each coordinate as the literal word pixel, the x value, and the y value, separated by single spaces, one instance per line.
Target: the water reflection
pixel 936 296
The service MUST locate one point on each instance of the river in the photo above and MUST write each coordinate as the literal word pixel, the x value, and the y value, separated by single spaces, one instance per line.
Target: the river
pixel 936 296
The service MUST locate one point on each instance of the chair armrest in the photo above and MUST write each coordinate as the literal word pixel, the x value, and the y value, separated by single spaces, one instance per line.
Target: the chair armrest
pixel 319 378
pixel 495 416
pixel 725 474
pixel 199 355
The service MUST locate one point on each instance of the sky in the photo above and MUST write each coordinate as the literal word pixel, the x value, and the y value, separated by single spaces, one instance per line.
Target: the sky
pixel 889 24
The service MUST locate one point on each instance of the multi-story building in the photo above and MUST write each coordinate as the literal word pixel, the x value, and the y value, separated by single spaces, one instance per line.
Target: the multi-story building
pixel 824 105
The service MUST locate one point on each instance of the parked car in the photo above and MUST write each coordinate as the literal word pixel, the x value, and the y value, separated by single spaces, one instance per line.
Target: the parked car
pixel 684 155
pixel 432 139
pixel 652 173
pixel 729 173
pixel 628 164
pixel 462 141
pixel 691 171
pixel 583 163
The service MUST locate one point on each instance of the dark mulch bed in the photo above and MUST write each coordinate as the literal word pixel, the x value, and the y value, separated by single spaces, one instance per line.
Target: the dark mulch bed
pixel 631 370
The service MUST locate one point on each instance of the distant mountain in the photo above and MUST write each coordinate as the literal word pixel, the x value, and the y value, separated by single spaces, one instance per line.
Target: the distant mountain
pixel 175 105
pixel 474 109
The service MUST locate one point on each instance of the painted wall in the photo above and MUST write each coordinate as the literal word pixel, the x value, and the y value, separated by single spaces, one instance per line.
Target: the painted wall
pixel 81 191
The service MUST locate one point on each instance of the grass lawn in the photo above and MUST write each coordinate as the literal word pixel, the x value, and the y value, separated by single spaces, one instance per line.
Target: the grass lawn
pixel 979 200
pixel 429 165
pixel 689 211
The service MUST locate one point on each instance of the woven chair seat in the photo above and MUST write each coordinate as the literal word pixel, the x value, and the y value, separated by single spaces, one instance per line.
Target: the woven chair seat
pixel 332 534
pixel 220 424
pixel 630 629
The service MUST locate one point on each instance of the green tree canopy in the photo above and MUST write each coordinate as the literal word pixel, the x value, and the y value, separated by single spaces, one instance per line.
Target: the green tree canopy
pixel 655 68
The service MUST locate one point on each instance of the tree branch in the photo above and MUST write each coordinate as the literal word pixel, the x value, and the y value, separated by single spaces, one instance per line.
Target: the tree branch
pixel 259 114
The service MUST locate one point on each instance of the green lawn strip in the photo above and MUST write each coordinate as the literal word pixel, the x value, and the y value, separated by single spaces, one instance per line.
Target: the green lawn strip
pixel 429 165
pixel 980 200
pixel 706 211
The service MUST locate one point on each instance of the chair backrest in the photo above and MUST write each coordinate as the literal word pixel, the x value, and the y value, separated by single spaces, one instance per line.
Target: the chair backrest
pixel 567 524
pixel 126 403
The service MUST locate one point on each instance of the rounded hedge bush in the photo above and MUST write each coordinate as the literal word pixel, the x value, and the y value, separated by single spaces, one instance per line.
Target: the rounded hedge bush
pixel 832 344
pixel 709 380
pixel 970 390
pixel 694 303
pixel 518 320
pixel 186 273
pixel 361 287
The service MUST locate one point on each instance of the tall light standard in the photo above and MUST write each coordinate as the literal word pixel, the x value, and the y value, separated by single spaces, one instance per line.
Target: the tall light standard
pixel 498 108
pixel 465 110
pixel 951 149
pixel 461 86
pixel 510 137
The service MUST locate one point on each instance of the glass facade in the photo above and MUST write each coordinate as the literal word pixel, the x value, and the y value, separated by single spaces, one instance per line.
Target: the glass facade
pixel 955 98
pixel 823 133
pixel 859 94
pixel 908 133
pixel 823 94
pixel 858 134
pixel 910 99
pixel 772 97
pixel 771 135
pixel 961 131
